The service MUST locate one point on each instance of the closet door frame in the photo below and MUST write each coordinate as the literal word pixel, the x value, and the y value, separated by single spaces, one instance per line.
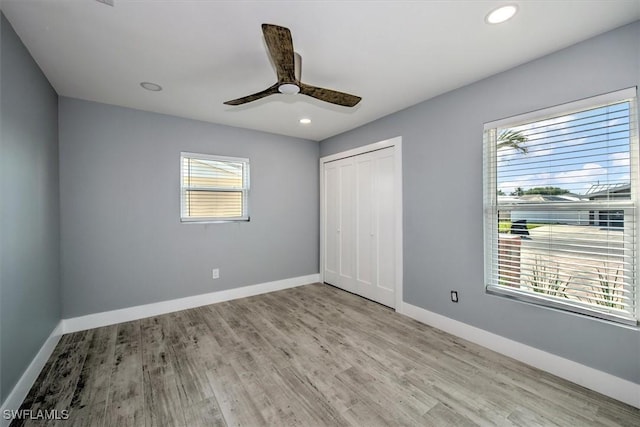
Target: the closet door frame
pixel 396 143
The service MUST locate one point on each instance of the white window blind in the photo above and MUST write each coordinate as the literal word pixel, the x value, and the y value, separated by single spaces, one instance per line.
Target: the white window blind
pixel 560 202
pixel 213 188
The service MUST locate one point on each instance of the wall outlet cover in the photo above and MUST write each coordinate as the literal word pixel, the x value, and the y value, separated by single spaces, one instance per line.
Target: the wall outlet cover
pixel 454 296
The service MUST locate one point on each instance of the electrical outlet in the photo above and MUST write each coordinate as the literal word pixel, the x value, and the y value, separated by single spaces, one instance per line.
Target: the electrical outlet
pixel 215 273
pixel 454 296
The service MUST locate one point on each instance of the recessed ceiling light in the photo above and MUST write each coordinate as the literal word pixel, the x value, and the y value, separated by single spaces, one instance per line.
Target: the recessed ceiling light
pixel 501 14
pixel 151 86
pixel 305 121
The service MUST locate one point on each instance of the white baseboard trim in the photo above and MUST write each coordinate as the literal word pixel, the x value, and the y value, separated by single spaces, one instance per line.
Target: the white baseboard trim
pixel 602 382
pixel 106 318
pixel 24 384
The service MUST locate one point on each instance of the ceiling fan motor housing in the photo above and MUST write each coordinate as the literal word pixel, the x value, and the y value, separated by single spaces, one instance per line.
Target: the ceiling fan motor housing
pixel 293 87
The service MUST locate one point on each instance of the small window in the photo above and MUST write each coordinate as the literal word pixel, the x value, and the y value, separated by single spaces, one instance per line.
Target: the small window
pixel 213 188
pixel 560 200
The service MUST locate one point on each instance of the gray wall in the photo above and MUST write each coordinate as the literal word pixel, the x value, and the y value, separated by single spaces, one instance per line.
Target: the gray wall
pixel 122 240
pixel 443 215
pixel 29 210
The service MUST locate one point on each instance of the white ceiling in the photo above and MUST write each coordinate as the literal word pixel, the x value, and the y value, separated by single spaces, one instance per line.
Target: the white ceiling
pixel 393 54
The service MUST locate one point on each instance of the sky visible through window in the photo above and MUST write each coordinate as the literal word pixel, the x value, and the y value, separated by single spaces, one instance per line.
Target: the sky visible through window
pixel 572 152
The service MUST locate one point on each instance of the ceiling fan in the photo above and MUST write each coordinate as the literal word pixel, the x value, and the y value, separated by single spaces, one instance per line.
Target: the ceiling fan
pixel 288 64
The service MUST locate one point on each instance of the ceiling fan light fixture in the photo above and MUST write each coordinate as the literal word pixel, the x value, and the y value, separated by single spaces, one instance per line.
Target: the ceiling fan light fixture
pixel 501 14
pixel 153 87
pixel 289 89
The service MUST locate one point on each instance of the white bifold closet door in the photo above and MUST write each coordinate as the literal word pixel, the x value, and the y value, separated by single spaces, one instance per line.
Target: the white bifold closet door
pixel 359 225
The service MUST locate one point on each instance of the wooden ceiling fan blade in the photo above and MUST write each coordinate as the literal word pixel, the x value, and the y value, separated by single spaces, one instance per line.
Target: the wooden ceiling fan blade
pixel 280 45
pixel 254 97
pixel 328 95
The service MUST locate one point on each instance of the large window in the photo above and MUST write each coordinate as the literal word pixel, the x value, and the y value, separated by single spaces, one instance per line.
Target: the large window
pixel 560 200
pixel 213 188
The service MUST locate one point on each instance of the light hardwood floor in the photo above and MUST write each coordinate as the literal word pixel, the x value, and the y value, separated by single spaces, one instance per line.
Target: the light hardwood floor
pixel 309 356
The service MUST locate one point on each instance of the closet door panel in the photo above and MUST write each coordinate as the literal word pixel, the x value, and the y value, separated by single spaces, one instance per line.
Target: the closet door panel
pixel 385 261
pixel 365 205
pixel 331 218
pixel 346 229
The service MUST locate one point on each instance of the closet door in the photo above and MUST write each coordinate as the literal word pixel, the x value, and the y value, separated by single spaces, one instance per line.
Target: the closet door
pixel 339 225
pixel 359 225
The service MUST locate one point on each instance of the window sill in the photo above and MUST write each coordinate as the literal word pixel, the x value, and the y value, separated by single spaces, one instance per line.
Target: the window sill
pixel 570 309
pixel 213 221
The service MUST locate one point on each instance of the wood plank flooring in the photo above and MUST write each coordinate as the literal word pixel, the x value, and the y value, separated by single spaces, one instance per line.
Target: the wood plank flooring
pixel 307 356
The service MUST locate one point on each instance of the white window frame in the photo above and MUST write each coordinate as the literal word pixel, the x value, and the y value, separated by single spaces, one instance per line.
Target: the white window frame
pixel 491 204
pixel 245 189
